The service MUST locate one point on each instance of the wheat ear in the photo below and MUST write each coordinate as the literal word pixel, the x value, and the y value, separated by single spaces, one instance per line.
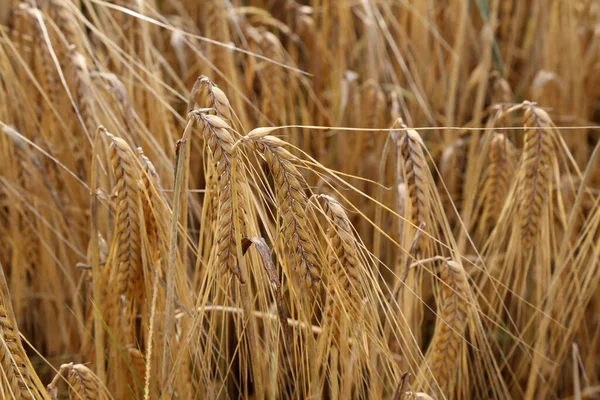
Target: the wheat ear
pixel 344 261
pixel 499 171
pixel 12 358
pixel 17 372
pixel 446 346
pixel 84 384
pixel 127 235
pixel 217 28
pixel 82 90
pixel 534 172
pixel 206 93
pixel 218 137
pixel 452 165
pixel 416 177
pixel 291 202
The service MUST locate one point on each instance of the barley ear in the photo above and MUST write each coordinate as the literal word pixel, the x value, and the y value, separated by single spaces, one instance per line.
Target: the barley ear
pixel 534 172
pixel 445 350
pixel 19 379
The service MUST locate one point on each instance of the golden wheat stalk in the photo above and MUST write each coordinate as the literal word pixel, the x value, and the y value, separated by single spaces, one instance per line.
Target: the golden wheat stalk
pixel 446 347
pixel 18 379
pixel 344 261
pixel 217 134
pixel 83 383
pixel 127 238
pixel 452 166
pixel 534 172
pixel 500 169
pixel 414 167
pixel 206 93
pixel 291 202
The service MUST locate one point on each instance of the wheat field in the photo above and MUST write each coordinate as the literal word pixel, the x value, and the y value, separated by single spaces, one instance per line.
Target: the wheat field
pixel 299 199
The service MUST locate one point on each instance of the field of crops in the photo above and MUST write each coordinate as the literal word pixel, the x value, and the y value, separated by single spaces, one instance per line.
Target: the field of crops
pixel 299 199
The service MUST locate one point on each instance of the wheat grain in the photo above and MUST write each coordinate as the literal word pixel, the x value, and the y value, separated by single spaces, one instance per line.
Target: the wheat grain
pixel 272 79
pixel 138 368
pixel 63 14
pixel 216 17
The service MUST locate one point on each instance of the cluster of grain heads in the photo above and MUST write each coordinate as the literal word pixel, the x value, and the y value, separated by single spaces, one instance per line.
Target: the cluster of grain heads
pixel 176 306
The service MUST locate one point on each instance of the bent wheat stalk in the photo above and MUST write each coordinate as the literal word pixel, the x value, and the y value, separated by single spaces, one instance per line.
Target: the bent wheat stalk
pixel 416 178
pixel 291 202
pixel 499 171
pixel 218 137
pixel 18 379
pixel 127 235
pixel 444 353
pixel 534 172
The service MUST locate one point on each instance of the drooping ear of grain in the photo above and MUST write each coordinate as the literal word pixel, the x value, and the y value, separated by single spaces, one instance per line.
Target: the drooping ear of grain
pixel 452 166
pixel 64 14
pixel 501 91
pixel 206 93
pixel 273 81
pixel 218 137
pixel 138 368
pixel 123 279
pixel 127 233
pixel 439 373
pixel 82 90
pixel 151 184
pixel 500 169
pixel 416 176
pixel 291 203
pixel 344 261
pixel 216 14
pixel 18 379
pixel 534 172
pixel 84 384
pixel 217 18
